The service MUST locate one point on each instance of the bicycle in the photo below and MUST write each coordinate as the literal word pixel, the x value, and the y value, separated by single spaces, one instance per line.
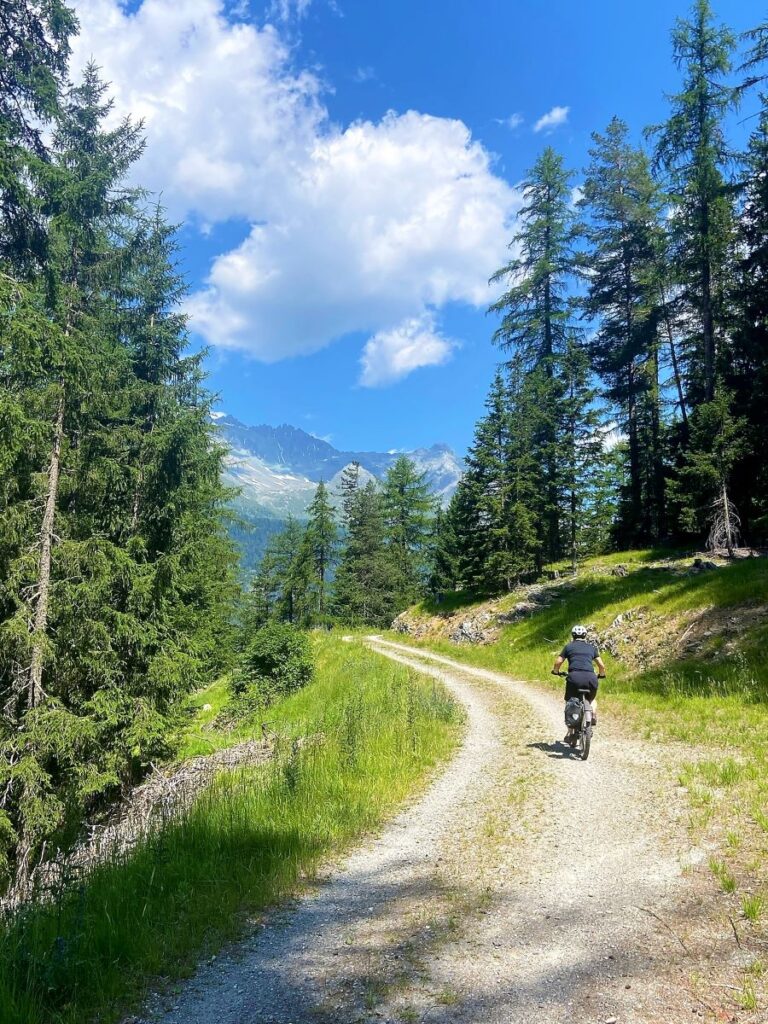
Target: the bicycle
pixel 578 718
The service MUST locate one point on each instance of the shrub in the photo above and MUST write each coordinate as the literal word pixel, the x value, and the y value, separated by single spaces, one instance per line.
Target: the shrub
pixel 277 661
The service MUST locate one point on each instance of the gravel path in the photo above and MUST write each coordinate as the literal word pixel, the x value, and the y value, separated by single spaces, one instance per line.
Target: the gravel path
pixel 524 887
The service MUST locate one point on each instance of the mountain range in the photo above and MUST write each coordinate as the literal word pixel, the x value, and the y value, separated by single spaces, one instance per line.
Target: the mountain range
pixel 276 471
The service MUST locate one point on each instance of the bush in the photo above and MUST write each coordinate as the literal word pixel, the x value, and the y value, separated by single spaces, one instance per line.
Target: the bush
pixel 276 662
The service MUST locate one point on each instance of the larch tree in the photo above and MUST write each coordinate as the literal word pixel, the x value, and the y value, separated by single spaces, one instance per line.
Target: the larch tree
pixel 322 539
pixel 621 263
pixel 536 308
pixel 693 152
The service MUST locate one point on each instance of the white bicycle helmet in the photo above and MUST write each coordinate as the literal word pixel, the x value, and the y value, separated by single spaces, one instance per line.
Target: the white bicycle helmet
pixel 579 632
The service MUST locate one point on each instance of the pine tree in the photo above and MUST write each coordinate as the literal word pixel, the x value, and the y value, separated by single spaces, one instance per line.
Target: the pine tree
pixel 747 366
pixel 34 54
pixel 117 578
pixel 496 509
pixel 622 270
pixel 366 579
pixel 444 552
pixel 755 57
pixel 350 481
pixel 692 149
pixel 581 450
pixel 409 508
pixel 702 488
pixel 536 309
pixel 322 538
pixel 85 204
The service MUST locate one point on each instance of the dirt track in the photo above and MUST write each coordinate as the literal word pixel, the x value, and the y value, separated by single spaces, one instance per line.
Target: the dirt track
pixel 524 887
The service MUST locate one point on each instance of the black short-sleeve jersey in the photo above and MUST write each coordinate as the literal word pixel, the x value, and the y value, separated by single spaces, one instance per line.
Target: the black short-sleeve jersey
pixel 579 655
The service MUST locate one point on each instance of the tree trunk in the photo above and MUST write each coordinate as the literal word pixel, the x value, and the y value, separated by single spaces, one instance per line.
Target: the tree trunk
pixel 635 484
pixel 675 363
pixel 727 521
pixel 40 626
pixel 708 333
pixel 658 458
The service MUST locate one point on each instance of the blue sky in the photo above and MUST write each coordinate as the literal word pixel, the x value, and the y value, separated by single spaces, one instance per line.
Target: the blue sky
pixel 346 173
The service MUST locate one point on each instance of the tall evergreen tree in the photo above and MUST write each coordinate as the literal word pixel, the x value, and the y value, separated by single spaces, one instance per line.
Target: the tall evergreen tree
pixel 116 575
pixel 444 552
pixel 622 270
pixel 692 150
pixel 747 366
pixel 322 538
pixel 581 451
pixel 536 309
pixel 408 510
pixel 366 579
pixel 350 481
pixel 34 53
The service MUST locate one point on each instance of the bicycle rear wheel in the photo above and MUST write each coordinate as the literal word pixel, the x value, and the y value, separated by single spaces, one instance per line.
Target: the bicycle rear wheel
pixel 586 742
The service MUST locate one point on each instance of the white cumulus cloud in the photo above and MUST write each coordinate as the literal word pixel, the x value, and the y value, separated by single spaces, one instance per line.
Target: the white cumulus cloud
pixel 554 118
pixel 356 228
pixel 390 355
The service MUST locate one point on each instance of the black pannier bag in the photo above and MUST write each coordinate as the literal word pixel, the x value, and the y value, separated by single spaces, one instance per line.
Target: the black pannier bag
pixel 573 712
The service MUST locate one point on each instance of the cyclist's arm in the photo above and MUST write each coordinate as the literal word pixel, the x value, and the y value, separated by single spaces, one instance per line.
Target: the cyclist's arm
pixel 601 665
pixel 558 662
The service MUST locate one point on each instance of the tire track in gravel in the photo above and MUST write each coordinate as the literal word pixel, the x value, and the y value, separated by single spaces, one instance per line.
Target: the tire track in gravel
pixel 564 925
pixel 577 933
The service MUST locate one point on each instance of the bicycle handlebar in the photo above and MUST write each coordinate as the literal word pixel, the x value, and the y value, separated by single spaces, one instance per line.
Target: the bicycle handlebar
pixel 565 674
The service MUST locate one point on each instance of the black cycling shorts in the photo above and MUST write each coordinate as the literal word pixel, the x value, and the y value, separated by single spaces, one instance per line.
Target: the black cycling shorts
pixel 576 681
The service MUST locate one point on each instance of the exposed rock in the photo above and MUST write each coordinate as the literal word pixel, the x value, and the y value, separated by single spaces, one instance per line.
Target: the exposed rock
pixel 703 565
pixel 409 626
pixel 619 570
pixel 471 631
pixel 519 611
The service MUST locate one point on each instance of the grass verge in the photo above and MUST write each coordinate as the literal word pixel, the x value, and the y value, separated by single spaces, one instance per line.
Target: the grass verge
pixel 250 839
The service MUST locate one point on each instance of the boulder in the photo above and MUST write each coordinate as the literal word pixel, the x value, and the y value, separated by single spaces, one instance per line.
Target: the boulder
pixel 703 565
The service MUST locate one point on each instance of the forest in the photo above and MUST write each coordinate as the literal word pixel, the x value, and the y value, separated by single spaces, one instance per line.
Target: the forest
pixel 632 323
pixel 628 407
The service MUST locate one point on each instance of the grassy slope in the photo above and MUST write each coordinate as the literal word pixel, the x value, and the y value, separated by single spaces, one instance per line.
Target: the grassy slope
pixel 249 840
pixel 716 702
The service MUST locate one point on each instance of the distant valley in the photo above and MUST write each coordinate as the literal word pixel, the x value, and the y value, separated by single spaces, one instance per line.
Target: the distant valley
pixel 276 471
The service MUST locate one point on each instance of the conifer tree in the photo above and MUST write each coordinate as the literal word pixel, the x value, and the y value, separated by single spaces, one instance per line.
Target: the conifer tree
pixel 444 551
pixel 747 369
pixel 366 579
pixel 535 309
pixel 408 510
pixel 350 481
pixel 692 150
pixel 702 488
pixel 581 450
pixel 117 578
pixel 622 269
pixel 34 52
pixel 322 538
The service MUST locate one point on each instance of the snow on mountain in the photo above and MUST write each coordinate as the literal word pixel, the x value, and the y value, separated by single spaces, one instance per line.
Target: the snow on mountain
pixel 278 468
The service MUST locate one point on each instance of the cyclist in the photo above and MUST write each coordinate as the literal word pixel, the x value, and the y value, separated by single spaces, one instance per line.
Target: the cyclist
pixel 581 657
